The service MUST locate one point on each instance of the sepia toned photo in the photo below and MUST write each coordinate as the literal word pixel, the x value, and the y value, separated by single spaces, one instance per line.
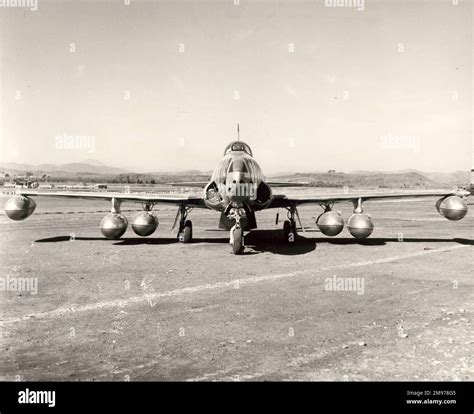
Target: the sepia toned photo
pixel 236 190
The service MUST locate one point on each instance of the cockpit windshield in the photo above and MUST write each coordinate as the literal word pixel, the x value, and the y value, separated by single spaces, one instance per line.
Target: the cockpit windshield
pixel 238 146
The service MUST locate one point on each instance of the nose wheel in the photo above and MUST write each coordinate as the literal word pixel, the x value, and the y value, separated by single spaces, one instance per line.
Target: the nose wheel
pixel 237 239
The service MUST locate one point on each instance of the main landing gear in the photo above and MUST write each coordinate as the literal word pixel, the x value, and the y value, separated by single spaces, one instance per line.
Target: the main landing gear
pixel 289 226
pixel 185 232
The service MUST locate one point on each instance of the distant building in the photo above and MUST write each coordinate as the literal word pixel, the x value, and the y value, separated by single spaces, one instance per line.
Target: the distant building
pixel 4 177
pixel 25 183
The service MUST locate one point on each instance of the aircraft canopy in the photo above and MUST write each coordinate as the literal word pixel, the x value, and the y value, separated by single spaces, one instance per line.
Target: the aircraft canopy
pixel 238 146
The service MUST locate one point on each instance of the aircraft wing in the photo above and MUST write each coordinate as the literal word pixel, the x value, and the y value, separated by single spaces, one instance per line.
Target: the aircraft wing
pixel 284 201
pixel 288 184
pixel 137 198
pixel 199 184
pixel 202 184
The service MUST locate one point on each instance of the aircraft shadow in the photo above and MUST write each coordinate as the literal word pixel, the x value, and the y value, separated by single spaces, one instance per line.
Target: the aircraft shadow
pixel 131 241
pixel 258 240
pixel 270 241
pixel 167 240
pixel 380 241
pixel 58 239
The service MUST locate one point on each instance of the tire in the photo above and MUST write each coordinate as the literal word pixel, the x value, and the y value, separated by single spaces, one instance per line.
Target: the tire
pixel 238 245
pixel 287 229
pixel 186 234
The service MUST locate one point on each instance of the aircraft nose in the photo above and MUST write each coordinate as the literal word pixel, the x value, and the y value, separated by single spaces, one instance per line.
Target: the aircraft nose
pixel 238 177
pixel 238 166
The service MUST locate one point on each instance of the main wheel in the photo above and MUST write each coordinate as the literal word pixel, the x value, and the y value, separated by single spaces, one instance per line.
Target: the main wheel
pixel 289 231
pixel 186 233
pixel 238 244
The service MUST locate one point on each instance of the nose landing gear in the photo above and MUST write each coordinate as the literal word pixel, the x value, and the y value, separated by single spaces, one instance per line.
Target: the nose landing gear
pixel 236 237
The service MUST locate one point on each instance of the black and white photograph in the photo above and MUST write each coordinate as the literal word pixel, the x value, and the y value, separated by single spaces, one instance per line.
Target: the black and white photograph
pixel 236 191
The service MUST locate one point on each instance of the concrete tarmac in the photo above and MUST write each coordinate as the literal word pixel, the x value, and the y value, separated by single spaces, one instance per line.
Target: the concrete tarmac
pixel 398 306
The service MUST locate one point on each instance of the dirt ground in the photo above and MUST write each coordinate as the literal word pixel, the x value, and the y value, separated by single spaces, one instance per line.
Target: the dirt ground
pixel 154 309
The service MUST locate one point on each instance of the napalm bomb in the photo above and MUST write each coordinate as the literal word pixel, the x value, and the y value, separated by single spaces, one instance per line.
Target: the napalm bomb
pixel 237 190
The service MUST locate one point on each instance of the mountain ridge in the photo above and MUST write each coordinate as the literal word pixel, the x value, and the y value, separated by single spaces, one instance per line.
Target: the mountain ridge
pixel 96 171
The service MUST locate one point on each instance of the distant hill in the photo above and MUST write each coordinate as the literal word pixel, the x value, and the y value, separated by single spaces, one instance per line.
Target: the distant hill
pixel 163 177
pixel 95 172
pixel 454 178
pixel 363 179
pixel 446 178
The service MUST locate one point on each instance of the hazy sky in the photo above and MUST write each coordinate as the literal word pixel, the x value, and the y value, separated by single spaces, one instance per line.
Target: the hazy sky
pixel 161 85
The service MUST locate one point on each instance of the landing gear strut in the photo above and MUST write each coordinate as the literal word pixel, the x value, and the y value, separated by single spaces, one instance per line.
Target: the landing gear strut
pixel 185 232
pixel 236 238
pixel 289 226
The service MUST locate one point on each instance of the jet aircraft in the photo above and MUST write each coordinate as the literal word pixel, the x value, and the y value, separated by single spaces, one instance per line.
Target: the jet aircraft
pixel 237 190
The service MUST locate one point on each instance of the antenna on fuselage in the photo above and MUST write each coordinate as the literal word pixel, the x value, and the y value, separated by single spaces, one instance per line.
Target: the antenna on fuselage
pixel 238 132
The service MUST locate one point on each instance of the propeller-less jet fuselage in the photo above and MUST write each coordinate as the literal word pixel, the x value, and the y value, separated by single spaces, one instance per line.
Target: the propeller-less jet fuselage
pixel 238 189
